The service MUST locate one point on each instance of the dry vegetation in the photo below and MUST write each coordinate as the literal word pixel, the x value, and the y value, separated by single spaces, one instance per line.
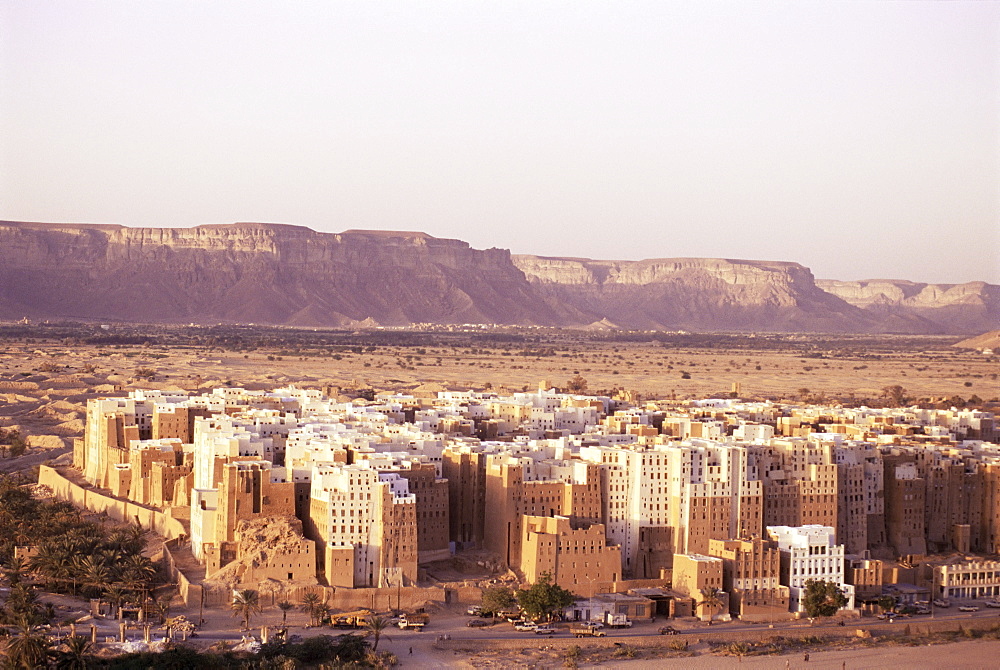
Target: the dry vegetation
pixel 47 372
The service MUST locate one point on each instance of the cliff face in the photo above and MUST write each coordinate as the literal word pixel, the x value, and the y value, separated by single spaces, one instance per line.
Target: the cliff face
pixel 946 308
pixel 279 274
pixel 258 273
pixel 693 293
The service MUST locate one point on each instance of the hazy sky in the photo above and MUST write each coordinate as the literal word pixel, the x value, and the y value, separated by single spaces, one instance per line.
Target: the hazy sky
pixel 861 139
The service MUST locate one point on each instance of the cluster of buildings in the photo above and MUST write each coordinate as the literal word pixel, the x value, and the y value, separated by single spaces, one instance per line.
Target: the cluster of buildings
pixel 747 501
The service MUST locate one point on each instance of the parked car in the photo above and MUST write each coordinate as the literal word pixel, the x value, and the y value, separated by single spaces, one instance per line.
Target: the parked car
pixel 477 623
pixel 475 610
pixel 667 630
pixel 942 603
pixel 968 608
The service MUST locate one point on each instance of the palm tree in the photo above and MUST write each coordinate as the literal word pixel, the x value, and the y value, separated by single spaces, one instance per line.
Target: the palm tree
pixel 115 595
pixel 16 567
pixel 246 603
pixel 92 572
pixel 50 564
pixel 30 648
pixel 712 599
pixel 162 607
pixel 375 625
pixel 137 571
pixel 77 655
pixel 22 600
pixel 314 605
pixel 285 606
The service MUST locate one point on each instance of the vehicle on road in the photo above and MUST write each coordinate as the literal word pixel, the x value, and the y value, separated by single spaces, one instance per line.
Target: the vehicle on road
pixel 586 631
pixel 993 603
pixel 667 630
pixel 477 623
pixel 942 603
pixel 968 608
pixel 617 620
pixel 413 621
pixel 525 626
pixel 545 630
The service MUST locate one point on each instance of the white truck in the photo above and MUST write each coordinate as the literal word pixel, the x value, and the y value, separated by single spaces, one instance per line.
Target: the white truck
pixel 413 621
pixel 617 620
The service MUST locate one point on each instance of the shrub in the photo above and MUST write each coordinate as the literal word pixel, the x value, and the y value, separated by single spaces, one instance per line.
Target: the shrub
pixel 625 651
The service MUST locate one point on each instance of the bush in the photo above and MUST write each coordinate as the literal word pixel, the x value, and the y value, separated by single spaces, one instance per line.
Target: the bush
pixel 677 644
pixel 625 651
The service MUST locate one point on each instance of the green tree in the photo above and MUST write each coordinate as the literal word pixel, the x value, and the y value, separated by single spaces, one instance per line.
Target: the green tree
pixel 894 394
pixel 543 599
pixel 315 606
pixel 375 626
pixel 115 596
pixel 161 606
pixel 711 598
pixel 18 446
pixel 92 571
pixel 497 599
pixel 285 607
pixel 246 603
pixel 75 654
pixel 29 649
pixel 886 603
pixel 822 598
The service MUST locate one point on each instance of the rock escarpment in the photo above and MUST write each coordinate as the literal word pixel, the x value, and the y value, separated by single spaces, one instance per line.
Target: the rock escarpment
pixel 291 275
pixel 258 273
pixel 693 294
pixel 945 308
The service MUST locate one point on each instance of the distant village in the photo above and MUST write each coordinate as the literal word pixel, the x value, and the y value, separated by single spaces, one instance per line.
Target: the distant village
pixel 716 508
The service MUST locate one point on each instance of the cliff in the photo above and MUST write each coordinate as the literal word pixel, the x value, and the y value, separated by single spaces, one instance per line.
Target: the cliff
pixel 258 273
pixel 291 275
pixel 946 308
pixel 693 294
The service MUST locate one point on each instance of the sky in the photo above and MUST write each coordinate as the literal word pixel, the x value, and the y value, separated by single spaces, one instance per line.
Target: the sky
pixel 861 139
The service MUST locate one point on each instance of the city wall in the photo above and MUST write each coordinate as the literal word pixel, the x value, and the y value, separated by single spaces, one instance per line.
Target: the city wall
pixel 194 593
pixel 97 501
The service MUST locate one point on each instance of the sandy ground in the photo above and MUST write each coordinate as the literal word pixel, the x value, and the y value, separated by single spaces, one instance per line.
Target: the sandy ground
pixel 44 387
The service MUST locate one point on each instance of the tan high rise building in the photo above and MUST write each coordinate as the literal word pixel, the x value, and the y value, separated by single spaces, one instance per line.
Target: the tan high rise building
pixel 904 506
pixel 509 497
pixel 675 498
pixel 432 511
pixel 752 578
pixel 365 526
pixel 465 470
pixel 576 555
pixel 800 482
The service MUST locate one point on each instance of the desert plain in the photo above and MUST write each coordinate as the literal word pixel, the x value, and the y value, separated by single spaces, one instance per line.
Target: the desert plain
pixel 47 372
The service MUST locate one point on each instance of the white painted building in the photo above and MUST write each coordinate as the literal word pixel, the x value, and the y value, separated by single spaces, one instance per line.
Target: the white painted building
pixel 810 553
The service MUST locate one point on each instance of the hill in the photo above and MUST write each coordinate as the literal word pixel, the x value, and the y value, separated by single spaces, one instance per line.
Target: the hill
pixel 291 275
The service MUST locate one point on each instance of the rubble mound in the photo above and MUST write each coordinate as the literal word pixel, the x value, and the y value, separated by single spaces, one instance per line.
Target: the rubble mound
pixel 261 542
